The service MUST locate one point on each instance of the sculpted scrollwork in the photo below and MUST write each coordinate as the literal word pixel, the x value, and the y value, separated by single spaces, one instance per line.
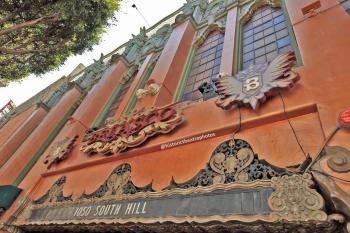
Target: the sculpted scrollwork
pixel 253 85
pixel 295 200
pixel 60 151
pixel 132 130
pixel 158 39
pixel 151 89
pixel 118 183
pixel 135 45
pixel 232 161
pixel 92 74
pixel 339 161
pixel 55 193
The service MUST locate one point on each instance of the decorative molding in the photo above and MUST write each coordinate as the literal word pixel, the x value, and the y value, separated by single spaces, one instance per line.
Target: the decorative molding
pixel 151 89
pixel 132 130
pixel 232 161
pixel 157 40
pixel 254 6
pixel 295 200
pixel 55 193
pixel 134 46
pixel 330 189
pixel 132 71
pixel 118 183
pixel 60 151
pixel 339 161
pixel 209 29
pixel 253 85
pixel 229 223
pixel 92 74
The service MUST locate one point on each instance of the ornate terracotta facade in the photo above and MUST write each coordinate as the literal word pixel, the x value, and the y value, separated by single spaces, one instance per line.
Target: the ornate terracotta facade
pixel 179 143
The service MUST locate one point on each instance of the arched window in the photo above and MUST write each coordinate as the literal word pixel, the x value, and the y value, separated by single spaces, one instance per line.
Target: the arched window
pixel 265 36
pixel 346 5
pixel 206 64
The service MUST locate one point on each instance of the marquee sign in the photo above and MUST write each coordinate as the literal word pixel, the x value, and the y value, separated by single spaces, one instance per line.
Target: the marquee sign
pixel 251 86
pixel 344 119
pixel 133 130
pixel 222 202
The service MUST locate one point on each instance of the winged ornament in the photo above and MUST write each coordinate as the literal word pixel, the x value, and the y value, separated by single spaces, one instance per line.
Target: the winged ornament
pixel 253 85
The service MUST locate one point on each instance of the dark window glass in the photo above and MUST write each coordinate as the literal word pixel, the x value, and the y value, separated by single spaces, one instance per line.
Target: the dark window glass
pixel 346 5
pixel 265 36
pixel 206 64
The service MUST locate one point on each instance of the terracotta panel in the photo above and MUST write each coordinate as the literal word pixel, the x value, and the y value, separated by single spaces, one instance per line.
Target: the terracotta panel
pixel 134 84
pixel 12 125
pixel 14 166
pixel 16 138
pixel 170 65
pixel 229 42
pixel 97 97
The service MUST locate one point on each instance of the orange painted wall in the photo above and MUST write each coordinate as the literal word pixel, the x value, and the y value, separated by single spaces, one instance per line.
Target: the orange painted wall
pixel 14 123
pixel 170 65
pixel 16 138
pixel 10 171
pixel 312 106
pixel 82 117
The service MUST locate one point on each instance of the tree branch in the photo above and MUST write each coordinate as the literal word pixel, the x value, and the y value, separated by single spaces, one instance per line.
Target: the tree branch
pixel 7 18
pixel 18 51
pixel 29 23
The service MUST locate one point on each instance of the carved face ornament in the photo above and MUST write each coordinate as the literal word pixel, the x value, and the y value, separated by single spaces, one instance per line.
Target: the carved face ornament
pixel 251 86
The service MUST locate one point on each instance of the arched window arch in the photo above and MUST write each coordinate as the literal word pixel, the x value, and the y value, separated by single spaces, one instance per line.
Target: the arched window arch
pixel 346 5
pixel 206 64
pixel 265 35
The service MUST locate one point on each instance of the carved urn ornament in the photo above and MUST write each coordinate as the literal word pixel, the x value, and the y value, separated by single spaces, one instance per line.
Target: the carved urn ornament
pixel 253 85
pixel 60 151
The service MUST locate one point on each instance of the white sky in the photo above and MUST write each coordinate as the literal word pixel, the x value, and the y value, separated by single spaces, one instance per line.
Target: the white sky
pixel 129 22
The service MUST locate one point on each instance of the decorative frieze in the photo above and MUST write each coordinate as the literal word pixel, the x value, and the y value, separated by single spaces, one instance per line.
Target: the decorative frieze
pixel 132 130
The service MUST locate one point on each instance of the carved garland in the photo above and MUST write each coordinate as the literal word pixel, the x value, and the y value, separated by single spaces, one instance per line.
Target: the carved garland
pixel 132 130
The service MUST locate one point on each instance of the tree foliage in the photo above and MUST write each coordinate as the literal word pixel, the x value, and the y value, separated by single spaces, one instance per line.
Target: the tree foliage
pixel 37 36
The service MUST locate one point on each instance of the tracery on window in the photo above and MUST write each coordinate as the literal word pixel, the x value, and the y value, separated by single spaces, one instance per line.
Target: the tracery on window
pixel 265 36
pixel 205 66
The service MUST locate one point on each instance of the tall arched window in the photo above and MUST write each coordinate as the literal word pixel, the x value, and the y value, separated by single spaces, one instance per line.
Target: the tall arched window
pixel 346 5
pixel 265 36
pixel 206 64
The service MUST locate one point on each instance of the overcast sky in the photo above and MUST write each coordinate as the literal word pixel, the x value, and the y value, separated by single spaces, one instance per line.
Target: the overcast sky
pixel 129 22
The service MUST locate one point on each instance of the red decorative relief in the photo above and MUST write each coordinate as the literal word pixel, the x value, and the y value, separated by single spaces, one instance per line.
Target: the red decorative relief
pixel 132 130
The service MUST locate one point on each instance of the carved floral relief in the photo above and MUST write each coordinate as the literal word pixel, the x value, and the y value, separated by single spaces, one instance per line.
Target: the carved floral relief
pixel 60 151
pixel 132 130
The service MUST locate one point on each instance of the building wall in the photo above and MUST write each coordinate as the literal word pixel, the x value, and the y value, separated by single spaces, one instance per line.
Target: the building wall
pixel 312 107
